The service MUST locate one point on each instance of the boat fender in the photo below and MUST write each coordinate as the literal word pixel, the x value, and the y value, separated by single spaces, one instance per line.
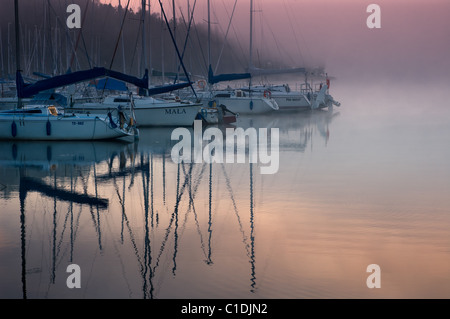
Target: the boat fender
pixel 14 129
pixel 251 105
pixel 49 128
pixel 113 125
pixel 204 113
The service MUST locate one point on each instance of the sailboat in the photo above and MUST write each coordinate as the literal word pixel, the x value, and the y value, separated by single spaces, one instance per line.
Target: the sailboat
pixel 306 99
pixel 47 122
pixel 236 101
pixel 148 109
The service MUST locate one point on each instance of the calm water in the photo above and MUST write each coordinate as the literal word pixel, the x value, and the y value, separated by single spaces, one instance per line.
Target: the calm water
pixel 366 183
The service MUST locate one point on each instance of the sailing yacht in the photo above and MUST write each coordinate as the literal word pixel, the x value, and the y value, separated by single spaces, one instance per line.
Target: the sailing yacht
pixel 305 99
pixel 241 102
pixel 46 122
pixel 148 110
pixel 236 101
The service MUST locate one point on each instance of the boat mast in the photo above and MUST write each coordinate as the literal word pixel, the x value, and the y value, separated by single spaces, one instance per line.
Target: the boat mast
pixel 251 40
pixel 1 53
pixel 144 42
pixel 175 34
pixel 209 33
pixel 123 44
pixel 17 27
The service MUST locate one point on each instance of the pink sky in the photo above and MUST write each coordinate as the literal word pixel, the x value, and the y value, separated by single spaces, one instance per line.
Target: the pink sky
pixel 414 38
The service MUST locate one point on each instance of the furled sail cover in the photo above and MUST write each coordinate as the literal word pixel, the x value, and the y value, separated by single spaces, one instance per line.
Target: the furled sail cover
pixel 27 90
pixel 213 79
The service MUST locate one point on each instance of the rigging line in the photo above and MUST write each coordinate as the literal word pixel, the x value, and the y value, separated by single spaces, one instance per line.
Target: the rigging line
pixel 171 220
pixel 122 266
pixel 279 46
pixel 163 244
pixel 205 65
pixel 176 48
pixel 117 43
pixel 241 228
pixel 90 272
pixel 240 47
pixel 133 56
pixel 191 202
pixel 237 38
pixel 122 204
pixel 130 231
pixel 187 35
pixel 86 50
pixel 226 34
pixel 62 25
pixel 32 55
pixel 308 52
pixel 79 34
pixel 91 208
pixel 62 236
pixel 293 31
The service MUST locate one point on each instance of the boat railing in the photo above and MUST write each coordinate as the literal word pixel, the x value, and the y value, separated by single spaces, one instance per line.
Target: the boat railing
pixel 306 88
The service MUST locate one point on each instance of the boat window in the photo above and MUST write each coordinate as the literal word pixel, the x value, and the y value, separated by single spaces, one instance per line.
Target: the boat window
pixel 121 100
pixel 32 111
pixel 223 95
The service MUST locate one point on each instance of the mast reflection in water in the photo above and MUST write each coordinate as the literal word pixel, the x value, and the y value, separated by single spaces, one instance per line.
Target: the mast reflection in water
pixel 137 224
pixel 141 226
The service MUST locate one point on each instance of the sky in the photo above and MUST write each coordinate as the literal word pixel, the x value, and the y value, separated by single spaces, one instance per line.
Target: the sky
pixel 413 41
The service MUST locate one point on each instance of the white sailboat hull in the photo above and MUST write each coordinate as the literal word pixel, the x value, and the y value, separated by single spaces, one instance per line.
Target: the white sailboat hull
pixel 291 101
pixel 248 105
pixel 51 128
pixel 148 112
pixel 295 100
pixel 167 116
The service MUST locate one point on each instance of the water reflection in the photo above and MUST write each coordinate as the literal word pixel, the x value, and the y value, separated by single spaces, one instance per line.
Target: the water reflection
pixel 138 224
